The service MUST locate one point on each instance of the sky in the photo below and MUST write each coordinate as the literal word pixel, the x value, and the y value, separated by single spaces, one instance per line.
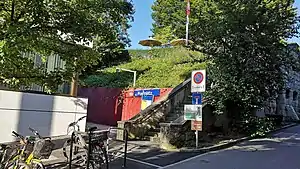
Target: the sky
pixel 141 27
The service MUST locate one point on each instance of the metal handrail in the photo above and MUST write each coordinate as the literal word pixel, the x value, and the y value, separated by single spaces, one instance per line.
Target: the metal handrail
pixel 125 142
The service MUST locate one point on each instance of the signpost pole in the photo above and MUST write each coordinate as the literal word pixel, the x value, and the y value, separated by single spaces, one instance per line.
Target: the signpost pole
pixel 198 86
pixel 197 138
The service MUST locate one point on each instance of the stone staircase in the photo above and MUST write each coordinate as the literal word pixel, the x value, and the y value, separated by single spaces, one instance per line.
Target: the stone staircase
pixel 147 124
pixel 163 121
pixel 173 117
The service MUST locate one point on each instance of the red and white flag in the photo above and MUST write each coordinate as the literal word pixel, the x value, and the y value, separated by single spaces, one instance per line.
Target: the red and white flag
pixel 188 8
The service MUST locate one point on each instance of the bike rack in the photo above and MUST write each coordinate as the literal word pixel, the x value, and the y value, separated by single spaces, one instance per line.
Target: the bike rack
pixel 125 142
pixel 90 135
pixel 71 150
pixel 96 135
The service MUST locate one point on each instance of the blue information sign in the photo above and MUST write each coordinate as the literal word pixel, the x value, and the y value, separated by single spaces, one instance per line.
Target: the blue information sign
pixel 148 92
pixel 196 98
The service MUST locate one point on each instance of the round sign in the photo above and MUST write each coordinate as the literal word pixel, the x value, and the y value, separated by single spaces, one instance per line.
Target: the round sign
pixel 198 77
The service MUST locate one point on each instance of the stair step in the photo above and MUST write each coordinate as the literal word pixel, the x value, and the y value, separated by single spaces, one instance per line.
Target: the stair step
pixel 155 129
pixel 153 133
pixel 179 107
pixel 173 116
pixel 170 120
pixel 155 139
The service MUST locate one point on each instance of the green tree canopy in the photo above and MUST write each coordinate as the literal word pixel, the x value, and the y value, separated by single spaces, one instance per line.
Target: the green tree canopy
pixel 81 32
pixel 244 41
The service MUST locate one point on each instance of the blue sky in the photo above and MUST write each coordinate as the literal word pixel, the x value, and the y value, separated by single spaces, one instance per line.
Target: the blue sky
pixel 141 27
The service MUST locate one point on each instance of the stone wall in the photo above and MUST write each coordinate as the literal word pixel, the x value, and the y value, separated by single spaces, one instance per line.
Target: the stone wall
pixel 181 135
pixel 288 100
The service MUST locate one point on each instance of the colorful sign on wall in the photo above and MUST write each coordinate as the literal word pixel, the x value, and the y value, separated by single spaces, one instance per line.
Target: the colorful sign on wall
pixel 148 92
pixel 146 101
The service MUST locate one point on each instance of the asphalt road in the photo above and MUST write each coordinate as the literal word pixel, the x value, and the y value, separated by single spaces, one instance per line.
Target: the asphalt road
pixel 281 151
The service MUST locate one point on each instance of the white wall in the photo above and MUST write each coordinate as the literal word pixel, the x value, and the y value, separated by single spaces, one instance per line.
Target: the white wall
pixel 48 114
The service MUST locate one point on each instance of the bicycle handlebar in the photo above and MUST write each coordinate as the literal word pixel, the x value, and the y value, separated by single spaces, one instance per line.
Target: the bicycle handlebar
pixel 81 118
pixel 18 135
pixel 76 122
pixel 35 132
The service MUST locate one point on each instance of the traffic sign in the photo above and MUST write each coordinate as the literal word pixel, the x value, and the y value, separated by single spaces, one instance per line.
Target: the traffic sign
pixel 196 98
pixel 198 81
pixel 198 77
pixel 196 125
pixel 193 112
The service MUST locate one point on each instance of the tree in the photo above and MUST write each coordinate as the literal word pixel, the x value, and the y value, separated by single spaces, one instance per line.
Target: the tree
pixel 244 40
pixel 80 32
pixel 169 17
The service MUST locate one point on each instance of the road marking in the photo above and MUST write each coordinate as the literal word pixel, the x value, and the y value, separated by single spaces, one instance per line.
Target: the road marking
pixel 159 156
pixel 183 161
pixel 145 163
pixel 277 134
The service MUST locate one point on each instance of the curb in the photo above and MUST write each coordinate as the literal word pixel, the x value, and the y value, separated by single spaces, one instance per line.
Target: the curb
pixel 234 142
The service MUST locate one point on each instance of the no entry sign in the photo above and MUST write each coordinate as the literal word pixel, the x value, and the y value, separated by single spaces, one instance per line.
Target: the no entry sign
pixel 198 81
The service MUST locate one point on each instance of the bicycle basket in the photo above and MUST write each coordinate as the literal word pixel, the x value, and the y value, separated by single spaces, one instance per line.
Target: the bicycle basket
pixel 43 148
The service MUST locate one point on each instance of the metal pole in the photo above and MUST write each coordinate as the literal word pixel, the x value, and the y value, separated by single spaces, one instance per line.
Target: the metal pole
pixel 187 30
pixel 71 149
pixel 132 71
pixel 134 78
pixel 89 150
pixel 197 138
pixel 125 149
pixel 187 23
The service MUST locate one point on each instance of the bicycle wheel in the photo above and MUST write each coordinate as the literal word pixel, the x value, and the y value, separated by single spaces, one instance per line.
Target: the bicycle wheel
pixel 67 149
pixel 79 155
pixel 23 166
pixel 37 165
pixel 99 158
pixel 18 165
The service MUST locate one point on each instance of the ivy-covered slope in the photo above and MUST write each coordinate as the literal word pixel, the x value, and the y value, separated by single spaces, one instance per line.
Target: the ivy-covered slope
pixel 159 68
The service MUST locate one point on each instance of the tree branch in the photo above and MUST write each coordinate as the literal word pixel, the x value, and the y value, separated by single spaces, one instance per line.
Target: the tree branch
pixel 23 11
pixel 12 11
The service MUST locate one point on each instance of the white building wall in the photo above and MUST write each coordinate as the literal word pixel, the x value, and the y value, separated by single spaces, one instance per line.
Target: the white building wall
pixel 48 114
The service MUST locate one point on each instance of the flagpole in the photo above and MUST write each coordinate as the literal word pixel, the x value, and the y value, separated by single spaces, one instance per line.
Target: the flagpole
pixel 187 23
pixel 187 30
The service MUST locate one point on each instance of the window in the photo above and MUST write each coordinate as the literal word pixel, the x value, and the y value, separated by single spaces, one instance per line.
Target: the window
pixel 295 95
pixel 287 93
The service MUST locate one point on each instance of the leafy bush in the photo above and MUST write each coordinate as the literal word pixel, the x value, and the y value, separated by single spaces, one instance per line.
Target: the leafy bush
pixel 167 67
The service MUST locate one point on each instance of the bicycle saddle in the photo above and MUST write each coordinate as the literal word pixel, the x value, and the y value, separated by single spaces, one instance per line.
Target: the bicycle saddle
pixel 92 128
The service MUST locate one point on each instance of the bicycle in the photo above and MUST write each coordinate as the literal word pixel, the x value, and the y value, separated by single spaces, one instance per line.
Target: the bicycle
pixel 15 161
pixel 81 149
pixel 33 150
pixel 4 157
pixel 42 149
